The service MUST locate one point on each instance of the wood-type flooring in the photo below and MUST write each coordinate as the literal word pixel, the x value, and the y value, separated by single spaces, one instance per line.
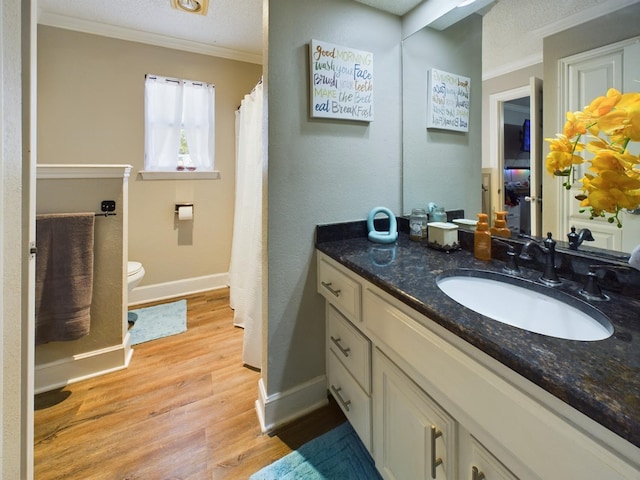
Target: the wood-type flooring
pixel 183 409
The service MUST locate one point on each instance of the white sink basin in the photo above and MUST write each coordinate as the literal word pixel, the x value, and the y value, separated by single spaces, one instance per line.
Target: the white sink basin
pixel 525 305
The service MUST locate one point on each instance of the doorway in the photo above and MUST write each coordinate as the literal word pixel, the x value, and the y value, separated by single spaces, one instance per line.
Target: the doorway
pixel 515 148
pixel 516 164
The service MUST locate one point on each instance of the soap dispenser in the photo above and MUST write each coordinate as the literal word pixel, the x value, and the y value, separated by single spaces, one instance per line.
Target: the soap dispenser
pixel 500 228
pixel 482 238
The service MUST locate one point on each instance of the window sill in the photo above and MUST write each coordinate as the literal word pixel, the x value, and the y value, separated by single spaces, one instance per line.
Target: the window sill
pixel 180 175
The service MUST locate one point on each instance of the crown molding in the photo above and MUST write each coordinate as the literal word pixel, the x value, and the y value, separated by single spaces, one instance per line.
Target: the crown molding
pixel 97 28
pixel 582 17
pixel 519 64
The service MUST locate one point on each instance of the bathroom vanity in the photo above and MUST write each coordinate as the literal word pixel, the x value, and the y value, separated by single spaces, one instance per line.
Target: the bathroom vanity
pixel 435 390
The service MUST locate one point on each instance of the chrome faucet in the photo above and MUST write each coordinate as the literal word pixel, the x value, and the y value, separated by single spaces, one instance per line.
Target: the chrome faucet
pixel 576 239
pixel 549 277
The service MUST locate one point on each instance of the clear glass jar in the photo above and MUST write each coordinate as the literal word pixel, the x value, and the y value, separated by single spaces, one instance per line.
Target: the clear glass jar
pixel 438 215
pixel 418 224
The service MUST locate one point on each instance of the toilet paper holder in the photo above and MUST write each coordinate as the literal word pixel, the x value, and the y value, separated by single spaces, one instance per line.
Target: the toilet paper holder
pixel 178 205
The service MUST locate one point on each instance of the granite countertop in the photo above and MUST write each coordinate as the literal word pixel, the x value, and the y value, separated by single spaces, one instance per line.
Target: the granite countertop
pixel 601 379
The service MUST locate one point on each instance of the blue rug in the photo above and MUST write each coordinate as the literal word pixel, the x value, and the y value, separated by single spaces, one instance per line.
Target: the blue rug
pixel 337 455
pixel 158 321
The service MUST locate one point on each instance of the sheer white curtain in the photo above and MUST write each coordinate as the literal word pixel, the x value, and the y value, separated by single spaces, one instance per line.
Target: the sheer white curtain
pixel 245 270
pixel 198 122
pixel 163 122
pixel 171 105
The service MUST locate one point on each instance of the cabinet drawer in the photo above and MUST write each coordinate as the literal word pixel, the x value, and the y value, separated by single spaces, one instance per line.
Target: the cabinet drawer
pixel 350 347
pixel 339 289
pixel 353 401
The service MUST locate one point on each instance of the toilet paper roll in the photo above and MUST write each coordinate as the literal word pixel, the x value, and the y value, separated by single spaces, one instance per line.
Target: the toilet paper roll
pixel 185 213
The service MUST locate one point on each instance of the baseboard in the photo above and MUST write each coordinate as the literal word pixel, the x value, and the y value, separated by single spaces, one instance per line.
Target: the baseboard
pixel 177 288
pixel 283 407
pixel 50 376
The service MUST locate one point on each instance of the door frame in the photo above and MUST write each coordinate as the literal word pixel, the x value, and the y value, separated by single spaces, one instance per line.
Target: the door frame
pixel 496 139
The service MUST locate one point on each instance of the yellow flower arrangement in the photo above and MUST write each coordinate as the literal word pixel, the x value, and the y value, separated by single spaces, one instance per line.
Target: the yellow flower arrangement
pixel 613 181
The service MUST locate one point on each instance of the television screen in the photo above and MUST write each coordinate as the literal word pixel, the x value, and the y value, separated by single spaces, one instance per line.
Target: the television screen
pixel 526 136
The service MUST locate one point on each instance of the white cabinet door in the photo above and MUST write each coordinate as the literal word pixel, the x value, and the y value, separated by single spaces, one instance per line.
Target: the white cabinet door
pixel 413 437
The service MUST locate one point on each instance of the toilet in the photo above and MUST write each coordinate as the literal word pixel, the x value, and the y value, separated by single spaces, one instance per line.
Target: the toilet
pixel 135 272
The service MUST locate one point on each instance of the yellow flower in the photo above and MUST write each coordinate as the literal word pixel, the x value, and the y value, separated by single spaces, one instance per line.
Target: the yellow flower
pixel 562 156
pixel 611 191
pixel 603 105
pixel 614 181
pixel 623 123
pixel 574 125
pixel 611 160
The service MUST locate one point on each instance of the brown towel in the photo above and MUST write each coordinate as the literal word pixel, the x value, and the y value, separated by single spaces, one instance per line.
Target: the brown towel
pixel 64 276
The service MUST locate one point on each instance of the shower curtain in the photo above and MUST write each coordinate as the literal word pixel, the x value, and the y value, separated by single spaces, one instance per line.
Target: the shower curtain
pixel 245 270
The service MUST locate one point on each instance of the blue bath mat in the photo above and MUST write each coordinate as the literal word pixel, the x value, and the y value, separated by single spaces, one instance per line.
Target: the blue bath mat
pixel 159 321
pixel 338 454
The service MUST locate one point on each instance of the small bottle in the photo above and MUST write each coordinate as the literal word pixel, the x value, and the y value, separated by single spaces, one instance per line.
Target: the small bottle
pixel 500 228
pixel 482 238
pixel 418 224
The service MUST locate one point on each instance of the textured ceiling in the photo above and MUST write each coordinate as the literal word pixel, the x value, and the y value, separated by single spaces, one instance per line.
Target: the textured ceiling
pixel 229 24
pixel 397 7
pixel 232 28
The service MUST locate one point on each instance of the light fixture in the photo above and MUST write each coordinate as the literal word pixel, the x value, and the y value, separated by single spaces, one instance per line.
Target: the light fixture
pixel 465 3
pixel 191 6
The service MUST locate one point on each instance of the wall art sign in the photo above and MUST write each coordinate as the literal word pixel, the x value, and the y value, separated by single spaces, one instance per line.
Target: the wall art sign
pixel 341 82
pixel 448 101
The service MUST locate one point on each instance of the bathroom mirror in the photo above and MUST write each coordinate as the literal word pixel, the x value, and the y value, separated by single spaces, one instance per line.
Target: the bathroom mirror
pixel 446 167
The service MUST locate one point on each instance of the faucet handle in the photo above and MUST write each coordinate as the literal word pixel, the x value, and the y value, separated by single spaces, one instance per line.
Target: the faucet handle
pixel 591 289
pixel 549 242
pixel 511 265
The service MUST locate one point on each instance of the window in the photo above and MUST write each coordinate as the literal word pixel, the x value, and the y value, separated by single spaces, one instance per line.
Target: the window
pixel 179 127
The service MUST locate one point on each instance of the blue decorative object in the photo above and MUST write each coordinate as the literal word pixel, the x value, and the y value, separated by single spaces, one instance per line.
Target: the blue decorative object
pixel 379 236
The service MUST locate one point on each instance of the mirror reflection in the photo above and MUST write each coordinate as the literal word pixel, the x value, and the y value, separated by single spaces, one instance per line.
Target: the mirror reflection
pixel 501 49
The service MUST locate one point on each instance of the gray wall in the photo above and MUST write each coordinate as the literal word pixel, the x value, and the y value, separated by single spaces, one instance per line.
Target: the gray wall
pixel 442 166
pixel 321 171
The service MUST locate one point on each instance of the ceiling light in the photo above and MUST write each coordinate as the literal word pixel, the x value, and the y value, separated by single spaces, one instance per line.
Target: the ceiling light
pixel 465 3
pixel 191 6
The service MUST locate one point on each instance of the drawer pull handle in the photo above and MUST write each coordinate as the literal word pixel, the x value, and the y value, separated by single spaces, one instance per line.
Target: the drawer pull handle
pixel 477 474
pixel 345 351
pixel 336 393
pixel 332 290
pixel 435 433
